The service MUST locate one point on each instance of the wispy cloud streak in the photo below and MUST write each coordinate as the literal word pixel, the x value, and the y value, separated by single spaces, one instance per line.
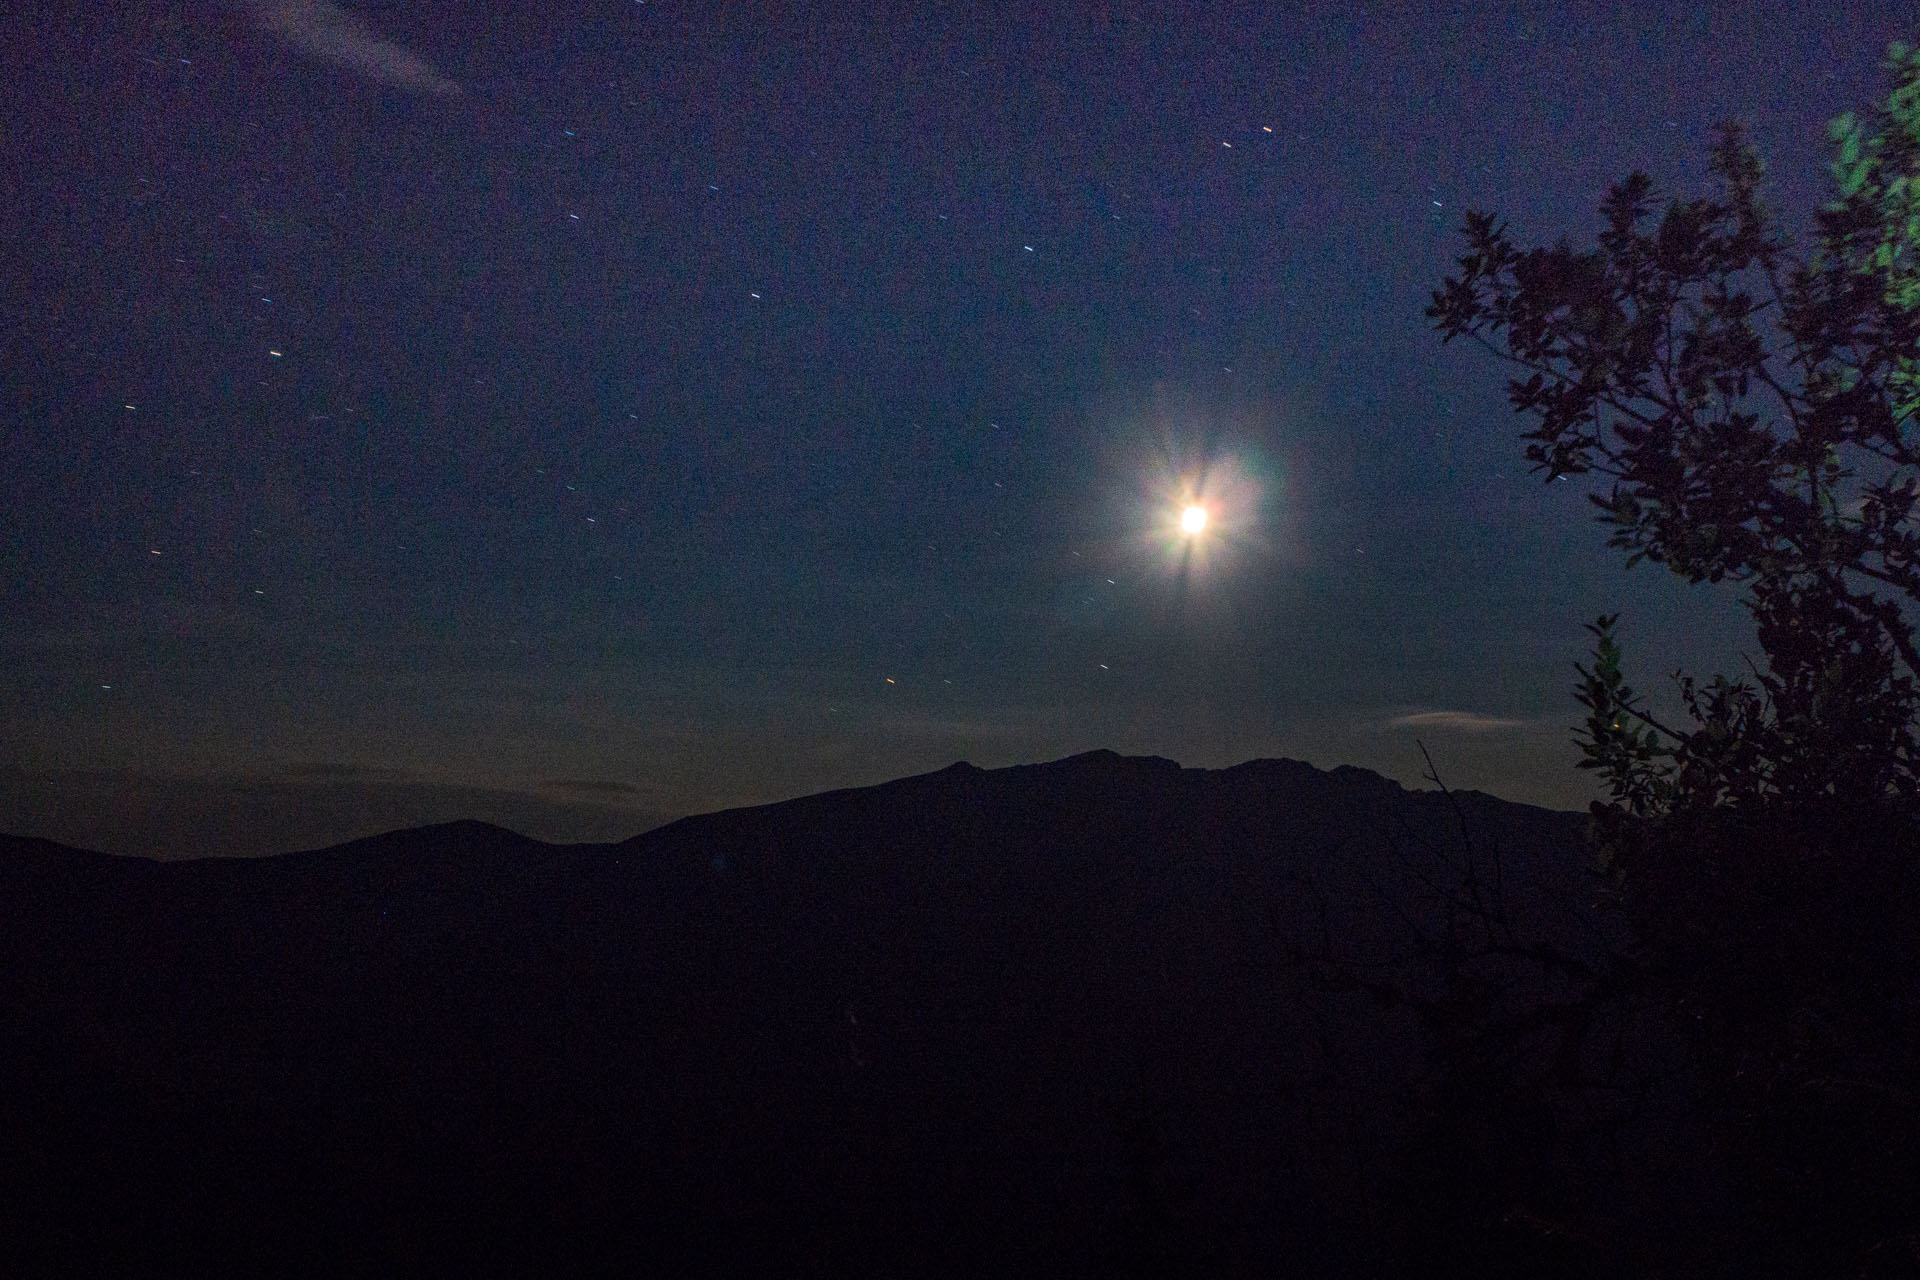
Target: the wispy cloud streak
pixel 1454 721
pixel 331 34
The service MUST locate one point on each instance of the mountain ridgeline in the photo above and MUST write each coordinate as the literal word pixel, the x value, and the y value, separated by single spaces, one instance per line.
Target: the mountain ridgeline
pixel 1051 1019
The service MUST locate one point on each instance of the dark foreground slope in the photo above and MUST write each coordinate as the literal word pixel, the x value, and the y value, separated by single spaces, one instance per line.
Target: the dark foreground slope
pixel 1028 1021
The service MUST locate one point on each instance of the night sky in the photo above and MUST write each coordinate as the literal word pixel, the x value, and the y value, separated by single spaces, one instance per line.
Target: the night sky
pixel 579 416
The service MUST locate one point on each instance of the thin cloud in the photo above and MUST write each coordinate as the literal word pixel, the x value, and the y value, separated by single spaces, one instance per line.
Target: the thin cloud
pixel 323 771
pixel 1453 722
pixel 331 34
pixel 589 786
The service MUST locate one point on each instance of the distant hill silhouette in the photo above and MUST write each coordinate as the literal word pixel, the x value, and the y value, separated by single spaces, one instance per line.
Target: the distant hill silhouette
pixel 1036 1020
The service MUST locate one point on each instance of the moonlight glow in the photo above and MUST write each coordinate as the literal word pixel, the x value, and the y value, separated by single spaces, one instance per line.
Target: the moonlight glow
pixel 1202 517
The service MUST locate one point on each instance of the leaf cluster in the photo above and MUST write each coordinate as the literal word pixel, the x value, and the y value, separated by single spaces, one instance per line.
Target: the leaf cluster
pixel 1758 413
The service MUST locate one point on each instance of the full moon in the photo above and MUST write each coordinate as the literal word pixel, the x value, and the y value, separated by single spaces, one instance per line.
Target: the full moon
pixel 1193 519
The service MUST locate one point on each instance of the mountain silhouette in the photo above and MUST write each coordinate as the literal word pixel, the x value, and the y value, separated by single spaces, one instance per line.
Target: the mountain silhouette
pixel 1034 1020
